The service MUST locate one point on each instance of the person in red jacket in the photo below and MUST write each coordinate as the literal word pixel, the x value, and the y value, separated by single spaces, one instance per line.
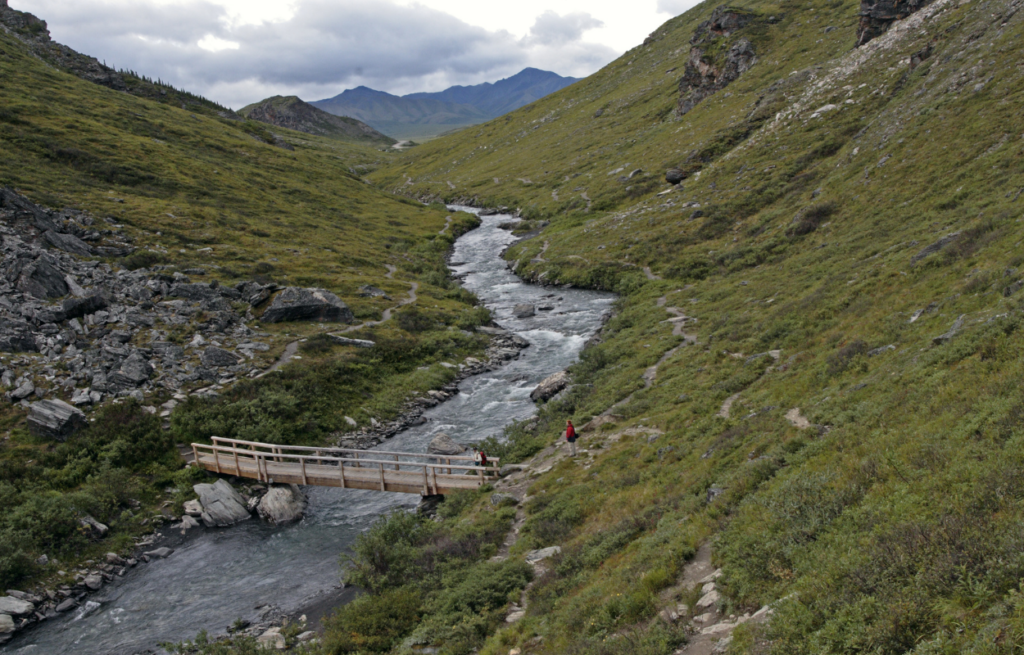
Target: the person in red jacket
pixel 570 436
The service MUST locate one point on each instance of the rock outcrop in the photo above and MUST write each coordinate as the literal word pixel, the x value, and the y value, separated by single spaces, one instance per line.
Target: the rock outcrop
pixel 295 304
pixel 550 386
pixel 54 419
pixel 877 15
pixel 524 310
pixel 704 74
pixel 222 505
pixel 282 504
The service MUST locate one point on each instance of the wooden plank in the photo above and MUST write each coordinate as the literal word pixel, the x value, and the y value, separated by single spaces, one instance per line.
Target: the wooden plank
pixel 303 460
pixel 383 487
pixel 341 471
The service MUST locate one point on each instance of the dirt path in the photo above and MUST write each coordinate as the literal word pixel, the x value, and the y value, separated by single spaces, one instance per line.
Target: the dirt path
pixel 292 348
pixel 727 405
pixel 447 224
pixel 650 274
pixel 540 256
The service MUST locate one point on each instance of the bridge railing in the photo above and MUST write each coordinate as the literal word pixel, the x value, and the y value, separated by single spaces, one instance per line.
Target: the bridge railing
pixel 245 458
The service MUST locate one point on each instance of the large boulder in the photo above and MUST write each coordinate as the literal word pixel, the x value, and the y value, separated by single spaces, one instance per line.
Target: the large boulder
pixel 136 369
pixel 222 505
pixel 523 310
pixel 54 419
pixel 6 627
pixel 68 243
pixel 214 357
pixel 295 304
pixel 550 386
pixel 282 504
pixel 79 307
pixel 443 444
pixel 38 278
pixel 15 606
pixel 17 337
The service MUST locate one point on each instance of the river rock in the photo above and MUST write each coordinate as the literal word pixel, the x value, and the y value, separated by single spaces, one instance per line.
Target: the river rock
pixel 282 504
pixel 214 357
pixel 272 638
pixel 160 553
pixel 193 508
pixel 550 386
pixel 94 581
pixel 54 419
pixel 443 444
pixel 6 626
pixel 68 604
pixel 15 606
pixel 222 505
pixel 295 304
pixel 523 310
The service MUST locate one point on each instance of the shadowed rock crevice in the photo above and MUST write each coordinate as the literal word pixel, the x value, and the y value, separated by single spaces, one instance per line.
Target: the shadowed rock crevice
pixel 715 62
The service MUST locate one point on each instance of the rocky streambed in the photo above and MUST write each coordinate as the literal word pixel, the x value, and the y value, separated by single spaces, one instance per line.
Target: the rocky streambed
pixel 257 571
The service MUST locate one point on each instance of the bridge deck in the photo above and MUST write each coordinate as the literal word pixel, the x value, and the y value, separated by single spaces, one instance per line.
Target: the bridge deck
pixel 413 473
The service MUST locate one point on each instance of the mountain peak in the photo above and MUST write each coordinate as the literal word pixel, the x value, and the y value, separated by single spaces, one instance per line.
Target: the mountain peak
pixel 293 113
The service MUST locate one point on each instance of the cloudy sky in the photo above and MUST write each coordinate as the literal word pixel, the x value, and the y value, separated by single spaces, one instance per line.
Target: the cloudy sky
pixel 241 51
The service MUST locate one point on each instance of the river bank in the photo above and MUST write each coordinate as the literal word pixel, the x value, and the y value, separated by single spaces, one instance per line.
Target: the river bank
pixel 218 576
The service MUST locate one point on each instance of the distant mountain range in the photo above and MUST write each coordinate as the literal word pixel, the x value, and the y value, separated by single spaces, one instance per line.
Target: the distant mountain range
pixel 429 114
pixel 294 114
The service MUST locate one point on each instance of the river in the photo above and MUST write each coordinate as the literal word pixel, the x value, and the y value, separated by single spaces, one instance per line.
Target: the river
pixel 221 575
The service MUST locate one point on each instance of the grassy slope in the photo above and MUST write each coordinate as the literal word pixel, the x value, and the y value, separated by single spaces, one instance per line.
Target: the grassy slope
pixel 898 525
pixel 184 184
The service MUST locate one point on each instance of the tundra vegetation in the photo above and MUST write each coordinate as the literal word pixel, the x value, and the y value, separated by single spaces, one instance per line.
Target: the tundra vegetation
pixel 833 201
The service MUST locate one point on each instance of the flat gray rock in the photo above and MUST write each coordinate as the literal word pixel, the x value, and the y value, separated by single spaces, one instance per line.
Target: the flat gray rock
pixel 214 357
pixel 443 444
pixel 523 311
pixel 15 606
pixel 6 624
pixel 160 553
pixel 295 304
pixel 222 505
pixel 54 419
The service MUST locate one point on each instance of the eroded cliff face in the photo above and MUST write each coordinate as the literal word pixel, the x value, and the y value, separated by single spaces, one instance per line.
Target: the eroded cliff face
pixel 707 71
pixel 877 15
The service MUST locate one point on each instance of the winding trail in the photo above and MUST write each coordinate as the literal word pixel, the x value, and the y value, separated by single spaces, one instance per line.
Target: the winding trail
pixel 679 321
pixel 447 224
pixel 650 275
pixel 292 348
pixel 540 256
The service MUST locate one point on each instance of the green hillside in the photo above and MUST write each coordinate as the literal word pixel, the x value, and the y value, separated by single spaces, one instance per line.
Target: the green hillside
pixel 224 197
pixel 292 113
pixel 847 432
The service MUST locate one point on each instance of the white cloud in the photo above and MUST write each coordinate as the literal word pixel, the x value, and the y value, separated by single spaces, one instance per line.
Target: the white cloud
pixel 216 44
pixel 676 7
pixel 239 52
pixel 552 29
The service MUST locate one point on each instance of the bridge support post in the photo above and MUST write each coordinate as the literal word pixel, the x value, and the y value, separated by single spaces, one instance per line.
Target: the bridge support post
pixel 383 487
pixel 341 473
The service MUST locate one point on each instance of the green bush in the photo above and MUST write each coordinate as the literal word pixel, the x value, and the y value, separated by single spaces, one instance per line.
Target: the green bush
pixel 372 623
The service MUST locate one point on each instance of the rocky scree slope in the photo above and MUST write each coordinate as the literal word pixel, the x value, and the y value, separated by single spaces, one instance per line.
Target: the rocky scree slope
pixel 292 113
pixel 797 179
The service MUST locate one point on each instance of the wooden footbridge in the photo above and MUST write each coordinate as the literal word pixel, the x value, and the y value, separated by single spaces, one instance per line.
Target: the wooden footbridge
pixel 347 468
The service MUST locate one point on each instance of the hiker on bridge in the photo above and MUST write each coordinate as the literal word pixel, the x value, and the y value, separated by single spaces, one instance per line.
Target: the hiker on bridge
pixel 570 436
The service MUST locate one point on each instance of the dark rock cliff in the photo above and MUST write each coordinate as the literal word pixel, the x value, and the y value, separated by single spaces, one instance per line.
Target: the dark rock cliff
pixel 706 73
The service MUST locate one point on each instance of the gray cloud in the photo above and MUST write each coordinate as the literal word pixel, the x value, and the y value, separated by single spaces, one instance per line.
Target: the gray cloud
pixel 326 47
pixel 551 28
